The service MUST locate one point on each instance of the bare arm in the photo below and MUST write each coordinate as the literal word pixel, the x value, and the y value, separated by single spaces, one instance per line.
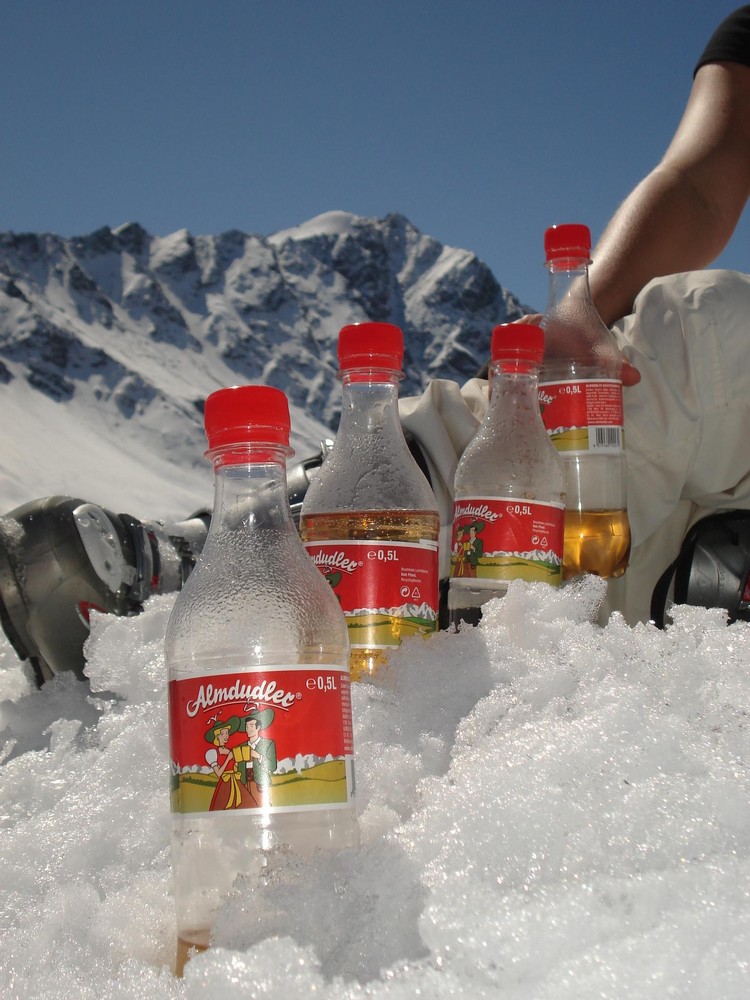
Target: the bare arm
pixel 684 212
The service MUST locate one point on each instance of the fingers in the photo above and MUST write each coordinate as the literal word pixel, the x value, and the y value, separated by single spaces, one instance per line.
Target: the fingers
pixel 630 375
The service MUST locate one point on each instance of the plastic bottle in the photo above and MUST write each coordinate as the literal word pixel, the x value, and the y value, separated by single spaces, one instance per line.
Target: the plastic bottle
pixel 256 644
pixel 509 488
pixel 369 518
pixel 581 400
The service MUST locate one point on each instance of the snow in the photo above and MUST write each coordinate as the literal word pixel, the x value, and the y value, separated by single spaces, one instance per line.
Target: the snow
pixel 335 223
pixel 69 451
pixel 110 342
pixel 166 249
pixel 548 809
pixel 62 450
pixel 450 258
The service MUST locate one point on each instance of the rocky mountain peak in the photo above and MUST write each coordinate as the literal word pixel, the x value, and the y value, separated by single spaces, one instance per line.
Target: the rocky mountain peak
pixel 126 329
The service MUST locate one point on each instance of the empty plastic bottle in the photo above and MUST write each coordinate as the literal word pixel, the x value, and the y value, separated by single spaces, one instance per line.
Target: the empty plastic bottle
pixel 258 658
pixel 509 491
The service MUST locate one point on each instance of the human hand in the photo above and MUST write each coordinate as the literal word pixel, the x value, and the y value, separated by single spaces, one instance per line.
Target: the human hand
pixel 628 373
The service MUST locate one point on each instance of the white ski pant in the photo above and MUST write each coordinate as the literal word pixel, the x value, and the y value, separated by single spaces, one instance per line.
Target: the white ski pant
pixel 687 422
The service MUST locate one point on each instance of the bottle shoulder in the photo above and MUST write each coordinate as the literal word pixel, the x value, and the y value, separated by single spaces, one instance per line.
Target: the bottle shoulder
pixel 369 474
pixel 578 344
pixel 254 596
pixel 543 483
pixel 523 464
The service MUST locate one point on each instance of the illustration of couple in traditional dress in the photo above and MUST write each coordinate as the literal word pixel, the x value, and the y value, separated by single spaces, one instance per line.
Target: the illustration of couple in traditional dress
pixel 469 549
pixel 243 771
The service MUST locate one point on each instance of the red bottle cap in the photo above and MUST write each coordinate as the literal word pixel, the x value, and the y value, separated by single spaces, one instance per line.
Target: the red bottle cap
pixel 571 241
pixel 372 346
pixel 521 342
pixel 246 414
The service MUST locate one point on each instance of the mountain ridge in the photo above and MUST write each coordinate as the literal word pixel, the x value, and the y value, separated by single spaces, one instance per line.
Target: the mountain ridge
pixel 109 342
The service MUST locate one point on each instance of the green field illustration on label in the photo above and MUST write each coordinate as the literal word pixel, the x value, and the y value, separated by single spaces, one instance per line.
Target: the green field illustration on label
pixel 381 629
pixel 319 785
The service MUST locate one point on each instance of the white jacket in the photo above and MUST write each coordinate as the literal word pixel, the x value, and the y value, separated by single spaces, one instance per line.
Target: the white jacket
pixel 687 423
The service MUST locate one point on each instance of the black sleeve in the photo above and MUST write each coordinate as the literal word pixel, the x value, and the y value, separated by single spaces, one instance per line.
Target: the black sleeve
pixel 731 40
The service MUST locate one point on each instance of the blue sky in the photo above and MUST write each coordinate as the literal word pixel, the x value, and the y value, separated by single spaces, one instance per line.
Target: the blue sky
pixel 483 122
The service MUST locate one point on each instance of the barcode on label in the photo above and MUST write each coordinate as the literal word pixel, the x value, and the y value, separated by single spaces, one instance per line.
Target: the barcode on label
pixel 605 437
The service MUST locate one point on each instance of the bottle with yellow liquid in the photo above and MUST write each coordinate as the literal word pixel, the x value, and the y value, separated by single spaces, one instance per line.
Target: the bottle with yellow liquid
pixel 259 692
pixel 369 519
pixel 580 395
pixel 509 489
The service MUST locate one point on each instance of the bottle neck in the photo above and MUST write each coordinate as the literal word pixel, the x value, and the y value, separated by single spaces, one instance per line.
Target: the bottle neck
pixel 513 409
pixel 370 406
pixel 577 342
pixel 514 386
pixel 568 283
pixel 250 491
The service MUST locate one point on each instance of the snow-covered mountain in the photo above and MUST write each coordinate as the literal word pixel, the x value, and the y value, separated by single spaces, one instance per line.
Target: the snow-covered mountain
pixel 110 342
pixel 423 611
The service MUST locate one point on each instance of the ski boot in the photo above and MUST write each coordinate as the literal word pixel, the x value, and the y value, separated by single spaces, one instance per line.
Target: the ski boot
pixel 61 558
pixel 712 569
